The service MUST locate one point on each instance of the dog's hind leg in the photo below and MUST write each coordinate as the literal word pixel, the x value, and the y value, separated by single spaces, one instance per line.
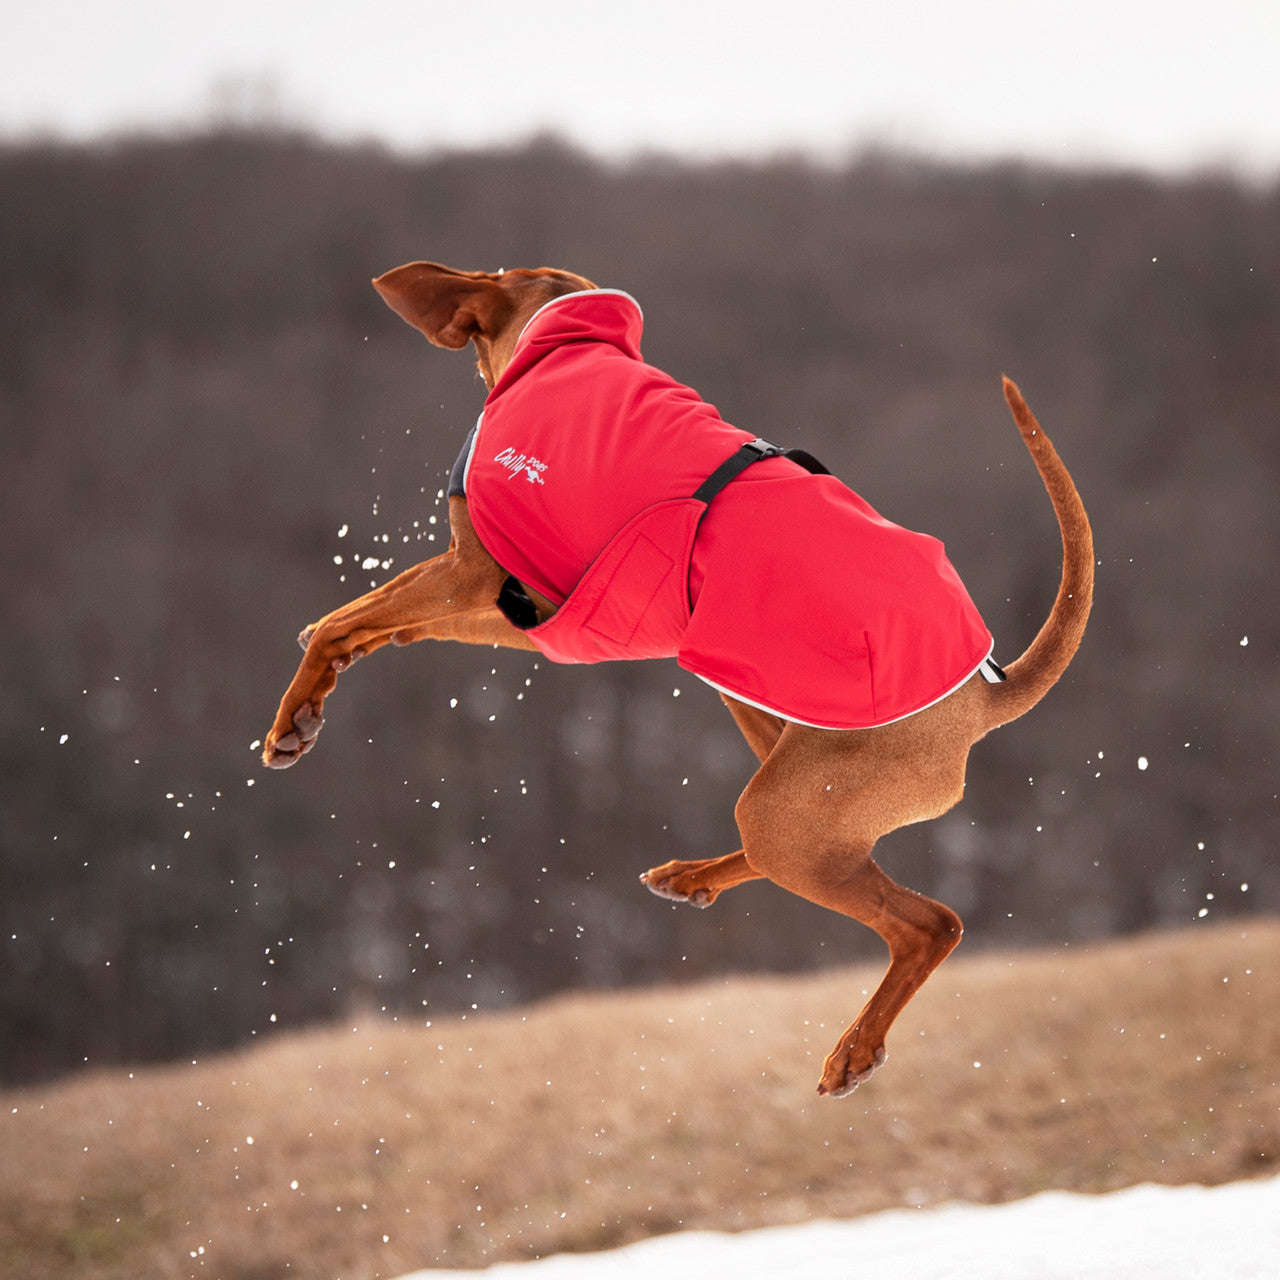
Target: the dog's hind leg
pixel 761 728
pixel 920 934
pixel 809 820
pixel 699 883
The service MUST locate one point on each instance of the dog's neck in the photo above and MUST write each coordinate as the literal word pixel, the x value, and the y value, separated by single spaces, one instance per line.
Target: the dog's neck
pixel 527 293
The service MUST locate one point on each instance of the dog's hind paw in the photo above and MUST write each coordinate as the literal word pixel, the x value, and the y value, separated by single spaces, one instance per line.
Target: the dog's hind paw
pixel 677 886
pixel 839 1081
pixel 666 889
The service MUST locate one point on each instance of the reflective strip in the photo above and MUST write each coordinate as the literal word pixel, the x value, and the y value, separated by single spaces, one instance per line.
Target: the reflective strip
pixel 986 666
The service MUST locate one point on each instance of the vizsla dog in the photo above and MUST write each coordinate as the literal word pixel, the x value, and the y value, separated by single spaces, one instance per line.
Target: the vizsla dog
pixel 844 647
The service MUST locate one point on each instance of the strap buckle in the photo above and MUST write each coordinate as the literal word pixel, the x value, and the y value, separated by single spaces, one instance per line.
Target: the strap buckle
pixel 734 465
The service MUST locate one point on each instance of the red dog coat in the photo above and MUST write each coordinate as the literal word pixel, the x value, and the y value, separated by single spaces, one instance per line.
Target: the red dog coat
pixel 786 591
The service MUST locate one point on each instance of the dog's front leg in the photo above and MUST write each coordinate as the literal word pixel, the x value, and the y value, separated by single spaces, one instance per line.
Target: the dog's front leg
pixel 450 597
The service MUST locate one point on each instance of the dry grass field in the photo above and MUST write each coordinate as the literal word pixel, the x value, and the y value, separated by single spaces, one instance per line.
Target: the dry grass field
pixel 374 1148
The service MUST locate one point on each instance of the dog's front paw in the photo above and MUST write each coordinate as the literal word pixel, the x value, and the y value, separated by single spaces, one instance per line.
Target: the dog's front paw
pixel 283 749
pixel 846 1067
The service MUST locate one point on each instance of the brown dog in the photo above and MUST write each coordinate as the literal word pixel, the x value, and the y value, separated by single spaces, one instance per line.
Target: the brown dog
pixel 820 800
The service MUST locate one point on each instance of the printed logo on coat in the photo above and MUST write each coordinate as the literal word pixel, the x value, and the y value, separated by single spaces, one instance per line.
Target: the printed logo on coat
pixel 518 463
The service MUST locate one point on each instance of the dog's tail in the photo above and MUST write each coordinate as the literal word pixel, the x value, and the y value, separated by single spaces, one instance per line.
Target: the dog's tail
pixel 1032 675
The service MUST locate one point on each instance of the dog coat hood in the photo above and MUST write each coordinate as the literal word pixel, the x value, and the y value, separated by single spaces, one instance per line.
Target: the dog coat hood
pixel 787 590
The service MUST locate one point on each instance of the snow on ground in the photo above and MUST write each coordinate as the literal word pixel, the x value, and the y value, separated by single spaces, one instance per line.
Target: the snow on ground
pixel 1156 1233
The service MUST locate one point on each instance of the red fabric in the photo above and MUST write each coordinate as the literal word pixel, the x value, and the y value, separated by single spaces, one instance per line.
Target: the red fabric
pixel 788 591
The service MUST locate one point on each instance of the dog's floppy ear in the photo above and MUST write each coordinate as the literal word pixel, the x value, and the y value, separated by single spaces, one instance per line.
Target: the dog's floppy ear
pixel 450 307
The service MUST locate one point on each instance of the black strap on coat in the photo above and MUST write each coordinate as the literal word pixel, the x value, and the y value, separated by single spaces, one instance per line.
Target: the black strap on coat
pixel 753 451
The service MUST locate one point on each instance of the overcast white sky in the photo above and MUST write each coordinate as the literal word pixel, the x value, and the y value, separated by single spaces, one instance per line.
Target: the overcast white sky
pixel 1164 85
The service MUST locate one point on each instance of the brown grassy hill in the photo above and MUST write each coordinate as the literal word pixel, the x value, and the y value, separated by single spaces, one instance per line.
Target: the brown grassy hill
pixel 375 1148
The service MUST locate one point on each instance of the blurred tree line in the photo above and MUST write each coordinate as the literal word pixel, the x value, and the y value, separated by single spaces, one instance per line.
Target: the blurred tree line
pixel 213 432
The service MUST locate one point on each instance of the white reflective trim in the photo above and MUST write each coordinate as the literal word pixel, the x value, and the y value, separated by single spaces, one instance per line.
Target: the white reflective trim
pixel 782 715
